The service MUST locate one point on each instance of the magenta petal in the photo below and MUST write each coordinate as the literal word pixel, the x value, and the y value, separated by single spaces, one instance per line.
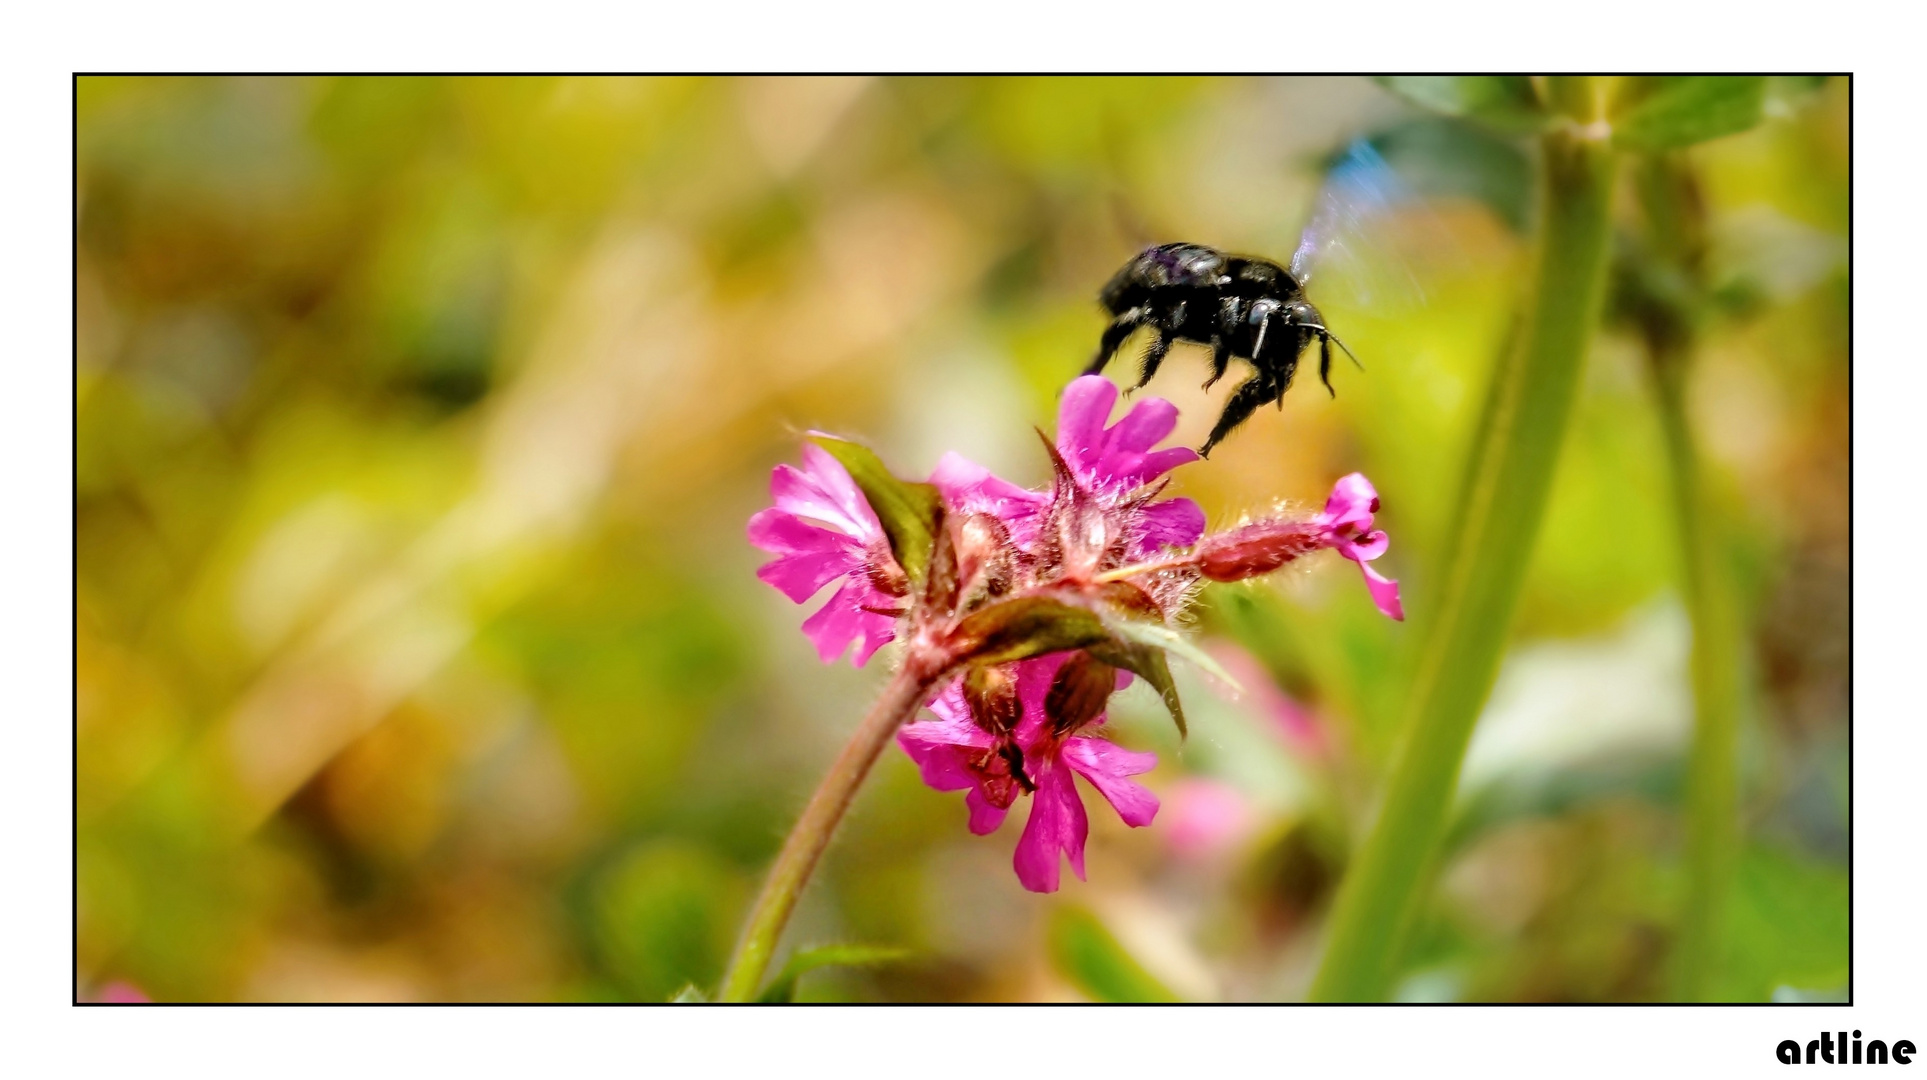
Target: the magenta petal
pixel 1113 471
pixel 1384 593
pixel 1057 823
pixel 942 750
pixel 1365 548
pixel 1148 422
pixel 1159 462
pixel 842 621
pixel 1080 420
pixel 800 576
pixel 1033 689
pixel 969 488
pixel 783 533
pixel 1171 523
pixel 1353 501
pixel 949 705
pixel 1105 765
pixel 873 632
pixel 799 493
pixel 830 489
pixel 984 817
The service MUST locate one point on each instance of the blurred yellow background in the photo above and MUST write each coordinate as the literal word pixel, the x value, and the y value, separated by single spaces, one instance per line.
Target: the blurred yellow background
pixel 420 655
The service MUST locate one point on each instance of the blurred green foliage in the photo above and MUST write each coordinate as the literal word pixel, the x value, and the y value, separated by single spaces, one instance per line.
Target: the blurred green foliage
pixel 420 654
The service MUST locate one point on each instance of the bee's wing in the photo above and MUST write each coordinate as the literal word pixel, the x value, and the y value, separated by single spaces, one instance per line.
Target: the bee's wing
pixel 1352 223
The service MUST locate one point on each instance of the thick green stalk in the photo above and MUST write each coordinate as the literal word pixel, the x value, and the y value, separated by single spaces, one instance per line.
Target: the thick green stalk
pixel 1501 502
pixel 1712 770
pixel 811 835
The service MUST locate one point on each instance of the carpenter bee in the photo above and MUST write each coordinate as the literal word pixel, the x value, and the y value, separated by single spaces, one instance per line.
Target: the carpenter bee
pixel 1249 308
pixel 1239 306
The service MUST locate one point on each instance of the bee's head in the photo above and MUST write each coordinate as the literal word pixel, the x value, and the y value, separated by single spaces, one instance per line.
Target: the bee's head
pixel 1289 313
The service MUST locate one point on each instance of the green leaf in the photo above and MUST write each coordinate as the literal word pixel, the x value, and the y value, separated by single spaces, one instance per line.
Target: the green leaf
pixel 1786 924
pixel 910 513
pixel 690 994
pixel 1671 111
pixel 1503 101
pixel 1088 955
pixel 1027 626
pixel 783 989
pixel 661 916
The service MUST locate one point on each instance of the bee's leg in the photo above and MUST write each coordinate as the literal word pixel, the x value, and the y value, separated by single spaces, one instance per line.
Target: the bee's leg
pixel 1245 400
pixel 1325 363
pixel 1154 356
pixel 1284 375
pixel 1114 336
pixel 1220 358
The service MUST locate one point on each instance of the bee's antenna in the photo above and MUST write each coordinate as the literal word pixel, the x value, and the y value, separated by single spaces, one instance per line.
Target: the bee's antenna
pixel 1341 344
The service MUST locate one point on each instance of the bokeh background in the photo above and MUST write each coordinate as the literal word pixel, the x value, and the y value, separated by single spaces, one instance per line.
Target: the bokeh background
pixel 420 655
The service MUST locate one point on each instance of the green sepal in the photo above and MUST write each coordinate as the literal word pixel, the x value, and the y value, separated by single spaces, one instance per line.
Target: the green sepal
pixel 1160 636
pixel 910 513
pixel 783 989
pixel 1149 664
pixel 1507 102
pixel 1665 112
pixel 690 994
pixel 1121 628
pixel 1027 626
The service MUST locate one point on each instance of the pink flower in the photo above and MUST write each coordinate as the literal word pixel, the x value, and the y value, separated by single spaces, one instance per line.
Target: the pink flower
pixel 1207 818
pixel 956 752
pixel 1111 463
pixel 1347 526
pixel 1263 546
pixel 120 992
pixel 1295 722
pixel 852 549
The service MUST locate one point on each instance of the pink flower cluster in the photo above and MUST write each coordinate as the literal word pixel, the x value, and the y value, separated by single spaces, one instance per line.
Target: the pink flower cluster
pixel 956 753
pixel 851 550
pixel 1008 730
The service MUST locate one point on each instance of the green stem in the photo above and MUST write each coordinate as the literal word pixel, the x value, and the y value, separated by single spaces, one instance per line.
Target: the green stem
pixel 899 701
pixel 1502 500
pixel 1712 771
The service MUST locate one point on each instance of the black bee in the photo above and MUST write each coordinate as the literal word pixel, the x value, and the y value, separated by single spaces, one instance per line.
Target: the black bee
pixel 1250 308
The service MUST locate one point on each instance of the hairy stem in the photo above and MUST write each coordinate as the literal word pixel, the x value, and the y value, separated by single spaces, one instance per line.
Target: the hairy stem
pixel 899 702
pixel 1502 500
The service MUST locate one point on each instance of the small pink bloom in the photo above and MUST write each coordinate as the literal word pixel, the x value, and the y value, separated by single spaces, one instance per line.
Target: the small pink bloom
pixel 1347 523
pixel 969 488
pixel 120 992
pixel 852 549
pixel 1206 818
pixel 1111 463
pixel 1263 546
pixel 1296 723
pixel 1119 456
pixel 955 754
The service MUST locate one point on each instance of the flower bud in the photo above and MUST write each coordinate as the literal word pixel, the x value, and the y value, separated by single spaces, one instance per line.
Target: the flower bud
pixel 1254 549
pixel 984 550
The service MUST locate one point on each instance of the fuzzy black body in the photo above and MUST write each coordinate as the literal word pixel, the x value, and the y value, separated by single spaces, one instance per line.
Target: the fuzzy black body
pixel 1252 309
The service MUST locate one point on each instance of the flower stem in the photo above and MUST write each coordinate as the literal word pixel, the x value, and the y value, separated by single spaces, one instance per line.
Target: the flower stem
pixel 901 698
pixel 1502 499
pixel 1124 572
pixel 1712 768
